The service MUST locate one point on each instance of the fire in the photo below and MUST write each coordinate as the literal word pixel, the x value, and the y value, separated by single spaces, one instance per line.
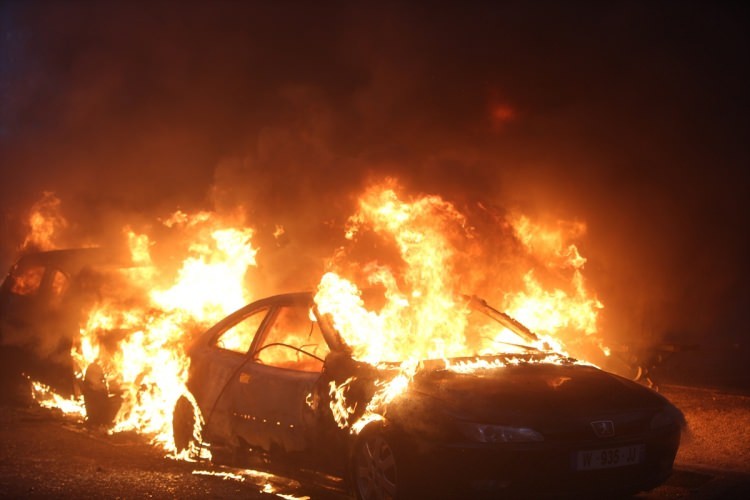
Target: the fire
pixel 133 339
pixel 29 281
pixel 550 245
pixel 550 311
pixel 151 364
pixel 45 223
pixel 419 318
pixel 151 326
pixel 207 284
pixel 47 398
pixel 139 320
pixel 340 410
pixel 425 315
pixel 564 314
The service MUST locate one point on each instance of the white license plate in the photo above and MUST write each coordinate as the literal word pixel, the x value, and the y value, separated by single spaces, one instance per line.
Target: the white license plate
pixel 609 457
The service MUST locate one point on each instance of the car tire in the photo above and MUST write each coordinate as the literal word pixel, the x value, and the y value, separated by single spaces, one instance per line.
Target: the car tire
pixel 101 405
pixel 184 434
pixel 377 470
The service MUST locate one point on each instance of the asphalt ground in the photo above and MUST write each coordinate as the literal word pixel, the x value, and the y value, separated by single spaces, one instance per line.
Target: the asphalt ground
pixel 45 455
pixel 714 457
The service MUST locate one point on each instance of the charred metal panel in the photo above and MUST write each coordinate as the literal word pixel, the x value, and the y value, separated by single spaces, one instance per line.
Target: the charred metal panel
pixel 269 407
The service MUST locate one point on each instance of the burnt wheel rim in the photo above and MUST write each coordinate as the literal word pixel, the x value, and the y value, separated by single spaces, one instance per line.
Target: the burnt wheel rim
pixel 375 469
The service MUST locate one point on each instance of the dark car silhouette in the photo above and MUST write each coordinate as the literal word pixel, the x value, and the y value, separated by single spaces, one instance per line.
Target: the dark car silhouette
pixel 531 423
pixel 44 299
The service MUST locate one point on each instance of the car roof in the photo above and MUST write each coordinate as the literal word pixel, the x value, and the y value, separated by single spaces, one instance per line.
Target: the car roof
pixel 72 260
pixel 278 300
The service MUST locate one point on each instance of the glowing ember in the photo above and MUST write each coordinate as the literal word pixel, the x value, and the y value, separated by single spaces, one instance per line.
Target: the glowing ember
pixel 220 474
pixel 268 483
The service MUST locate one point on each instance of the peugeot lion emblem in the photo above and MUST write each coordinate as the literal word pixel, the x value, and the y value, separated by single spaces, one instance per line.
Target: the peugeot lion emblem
pixel 603 428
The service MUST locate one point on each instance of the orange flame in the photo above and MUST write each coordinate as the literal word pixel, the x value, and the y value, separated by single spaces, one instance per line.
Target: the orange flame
pixel 138 332
pixel 419 318
pixel 45 223
pixel 564 314
pixel 424 315
pixel 148 366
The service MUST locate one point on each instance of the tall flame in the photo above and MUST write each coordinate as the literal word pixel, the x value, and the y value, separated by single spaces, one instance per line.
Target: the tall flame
pixel 419 317
pixel 565 313
pixel 424 315
pixel 148 366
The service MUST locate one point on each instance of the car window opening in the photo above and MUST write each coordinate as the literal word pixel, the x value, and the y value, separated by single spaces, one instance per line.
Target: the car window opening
pixel 239 337
pixel 294 341
pixel 28 281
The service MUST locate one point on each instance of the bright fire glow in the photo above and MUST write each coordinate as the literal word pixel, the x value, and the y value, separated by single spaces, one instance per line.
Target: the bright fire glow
pixel 421 318
pixel 137 328
pixel 47 398
pixel 45 223
pixel 150 326
pixel 150 364
pixel 424 315
pixel 552 311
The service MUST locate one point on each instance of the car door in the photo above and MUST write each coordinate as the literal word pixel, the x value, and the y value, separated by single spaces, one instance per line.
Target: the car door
pixel 270 392
pixel 33 321
pixel 216 364
pixel 24 299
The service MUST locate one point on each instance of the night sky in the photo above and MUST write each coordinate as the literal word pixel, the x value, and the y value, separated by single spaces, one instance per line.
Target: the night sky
pixel 632 117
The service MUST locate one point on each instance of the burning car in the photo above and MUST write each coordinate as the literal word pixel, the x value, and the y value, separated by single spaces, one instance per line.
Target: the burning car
pixel 43 301
pixel 275 385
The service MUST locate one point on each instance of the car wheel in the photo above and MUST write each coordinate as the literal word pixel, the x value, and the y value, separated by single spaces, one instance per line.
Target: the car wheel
pixel 184 431
pixel 375 467
pixel 101 406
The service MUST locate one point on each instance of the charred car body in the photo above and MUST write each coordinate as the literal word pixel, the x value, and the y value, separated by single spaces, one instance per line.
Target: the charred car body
pixel 262 387
pixel 43 300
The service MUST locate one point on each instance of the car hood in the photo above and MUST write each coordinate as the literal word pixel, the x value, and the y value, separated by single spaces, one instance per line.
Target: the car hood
pixel 532 391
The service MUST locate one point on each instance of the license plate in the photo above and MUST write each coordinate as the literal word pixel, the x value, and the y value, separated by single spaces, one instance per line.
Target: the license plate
pixel 608 458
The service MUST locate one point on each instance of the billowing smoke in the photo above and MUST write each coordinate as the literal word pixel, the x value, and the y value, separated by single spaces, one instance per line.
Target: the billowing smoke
pixel 631 118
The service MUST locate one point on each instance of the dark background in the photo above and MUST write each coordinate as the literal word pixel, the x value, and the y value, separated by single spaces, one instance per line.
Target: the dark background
pixel 629 116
